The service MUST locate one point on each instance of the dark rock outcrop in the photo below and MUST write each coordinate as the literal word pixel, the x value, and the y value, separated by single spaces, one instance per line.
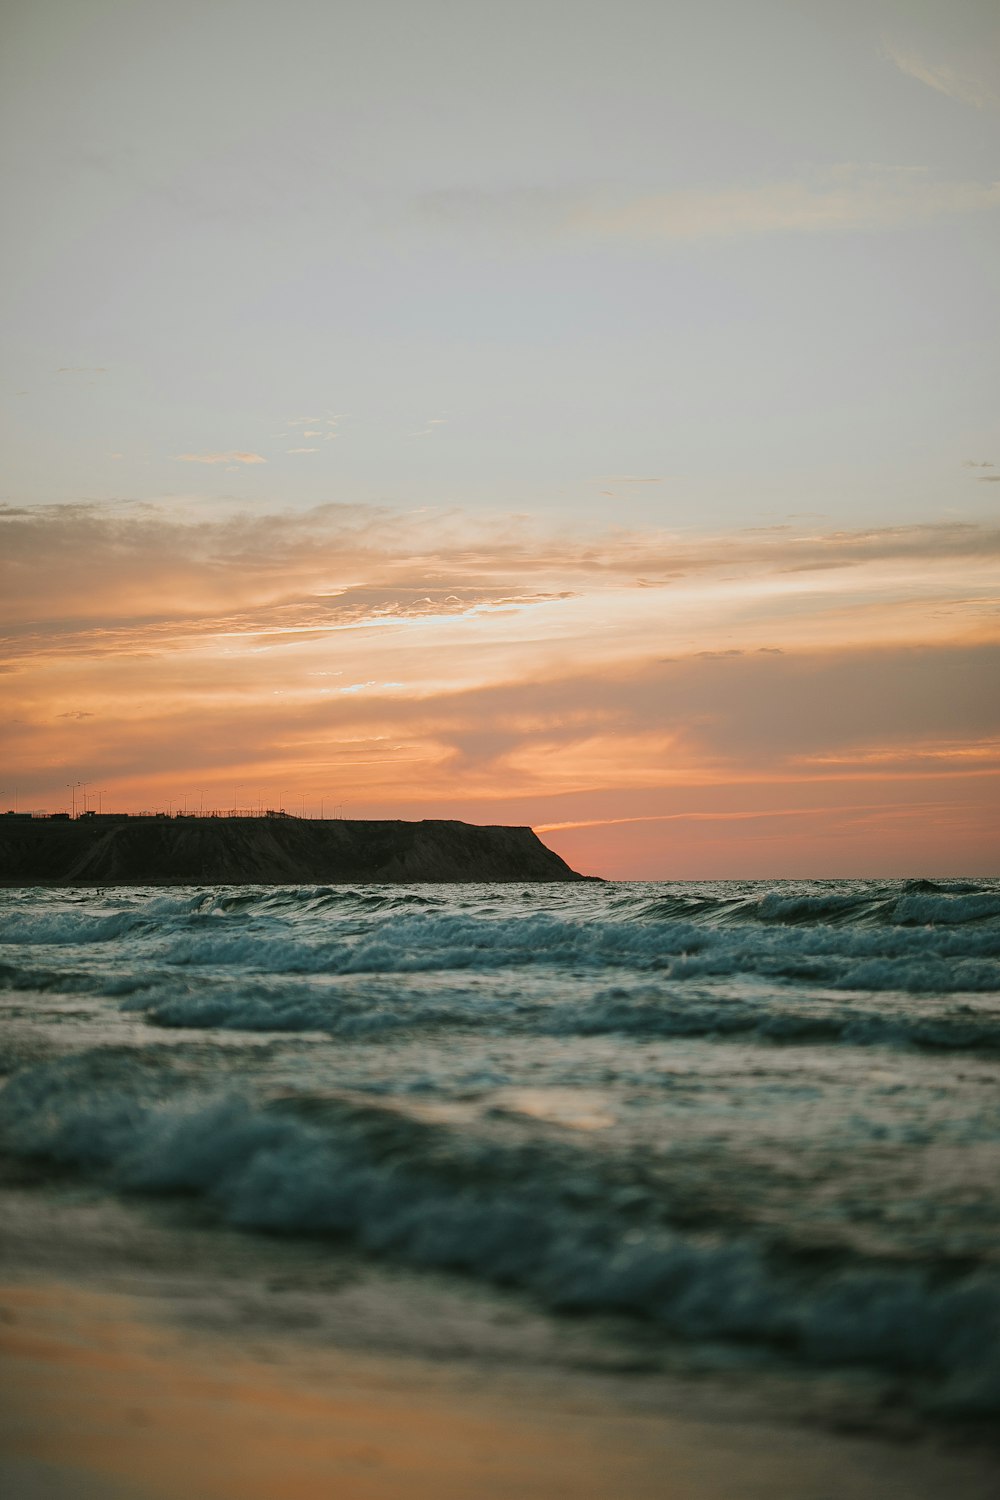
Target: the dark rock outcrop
pixel 267 851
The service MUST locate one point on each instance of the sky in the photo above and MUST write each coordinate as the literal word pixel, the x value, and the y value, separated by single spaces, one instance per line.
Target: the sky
pixel 575 414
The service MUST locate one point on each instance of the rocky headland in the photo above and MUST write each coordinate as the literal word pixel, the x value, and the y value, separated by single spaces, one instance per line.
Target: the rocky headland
pixel 99 851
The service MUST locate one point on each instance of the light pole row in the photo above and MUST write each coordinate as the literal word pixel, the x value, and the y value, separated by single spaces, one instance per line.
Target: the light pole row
pixel 99 793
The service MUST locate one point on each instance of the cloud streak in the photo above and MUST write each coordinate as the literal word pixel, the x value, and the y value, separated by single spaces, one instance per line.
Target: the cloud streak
pixel 967 80
pixel 850 196
pixel 100 573
pixel 221 458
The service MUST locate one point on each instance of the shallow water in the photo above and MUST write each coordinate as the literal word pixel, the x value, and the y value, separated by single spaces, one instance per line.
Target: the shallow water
pixel 760 1119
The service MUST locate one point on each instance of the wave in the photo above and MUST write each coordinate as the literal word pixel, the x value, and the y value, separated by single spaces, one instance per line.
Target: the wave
pixel 919 904
pixel 539 1216
pixel 55 917
pixel 660 1015
pixel 915 959
pixel 773 966
pixel 189 965
pixel 361 1009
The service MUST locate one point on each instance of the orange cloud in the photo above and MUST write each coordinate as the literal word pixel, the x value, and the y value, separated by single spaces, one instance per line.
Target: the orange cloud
pixel 498 671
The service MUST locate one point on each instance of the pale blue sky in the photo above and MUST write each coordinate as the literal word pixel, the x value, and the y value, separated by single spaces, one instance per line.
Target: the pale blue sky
pixel 686 265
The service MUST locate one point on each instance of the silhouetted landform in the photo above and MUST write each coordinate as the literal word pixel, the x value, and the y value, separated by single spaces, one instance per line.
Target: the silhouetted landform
pixel 282 850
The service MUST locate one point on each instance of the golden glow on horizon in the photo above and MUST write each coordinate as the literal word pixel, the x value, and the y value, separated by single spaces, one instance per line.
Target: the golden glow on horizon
pixel 505 670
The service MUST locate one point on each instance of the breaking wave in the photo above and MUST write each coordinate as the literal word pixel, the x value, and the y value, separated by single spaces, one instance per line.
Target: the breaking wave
pixel 522 1212
pixel 739 1112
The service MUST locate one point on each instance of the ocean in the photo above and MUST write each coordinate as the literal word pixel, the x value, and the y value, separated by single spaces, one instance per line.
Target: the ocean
pixel 755 1125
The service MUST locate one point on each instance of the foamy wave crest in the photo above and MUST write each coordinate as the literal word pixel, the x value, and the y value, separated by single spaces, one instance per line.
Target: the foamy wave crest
pixel 935 907
pixel 662 1014
pixel 917 960
pixel 356 1011
pixel 827 908
pixel 919 903
pixel 74 923
pixel 69 929
pixel 535 1217
pixel 356 1008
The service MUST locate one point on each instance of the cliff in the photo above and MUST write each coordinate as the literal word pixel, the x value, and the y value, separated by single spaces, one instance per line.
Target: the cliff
pixel 267 851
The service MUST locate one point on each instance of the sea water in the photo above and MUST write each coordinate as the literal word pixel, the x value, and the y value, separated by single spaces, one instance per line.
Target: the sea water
pixel 743 1117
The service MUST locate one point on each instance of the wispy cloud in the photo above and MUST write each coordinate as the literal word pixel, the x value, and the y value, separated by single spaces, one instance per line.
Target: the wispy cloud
pixel 970 80
pixel 633 478
pixel 524 655
pixel 846 197
pixel 221 458
pixel 849 196
pixel 369 552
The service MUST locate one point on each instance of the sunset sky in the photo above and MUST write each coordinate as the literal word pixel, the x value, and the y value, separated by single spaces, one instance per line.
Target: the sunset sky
pixel 573 413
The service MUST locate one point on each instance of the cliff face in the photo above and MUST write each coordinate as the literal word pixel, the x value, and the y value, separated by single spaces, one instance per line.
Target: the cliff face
pixel 267 851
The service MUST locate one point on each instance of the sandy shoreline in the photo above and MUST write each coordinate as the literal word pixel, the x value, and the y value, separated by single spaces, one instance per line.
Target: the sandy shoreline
pixel 140 1361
